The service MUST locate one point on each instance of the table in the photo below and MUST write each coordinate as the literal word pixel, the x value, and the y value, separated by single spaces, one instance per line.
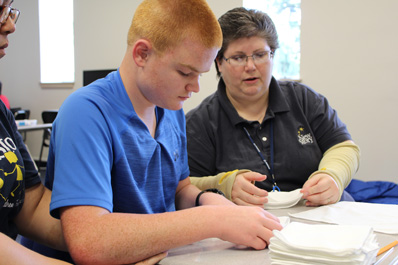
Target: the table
pixel 215 251
pixel 25 128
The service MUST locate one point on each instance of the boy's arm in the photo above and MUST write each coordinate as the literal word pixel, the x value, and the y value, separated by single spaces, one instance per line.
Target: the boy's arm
pixel 94 235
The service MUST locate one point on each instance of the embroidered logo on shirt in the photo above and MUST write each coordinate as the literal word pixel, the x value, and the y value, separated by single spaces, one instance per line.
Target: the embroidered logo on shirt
pixel 303 136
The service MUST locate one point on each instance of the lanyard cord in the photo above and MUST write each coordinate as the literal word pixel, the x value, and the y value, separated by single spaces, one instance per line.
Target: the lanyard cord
pixel 270 169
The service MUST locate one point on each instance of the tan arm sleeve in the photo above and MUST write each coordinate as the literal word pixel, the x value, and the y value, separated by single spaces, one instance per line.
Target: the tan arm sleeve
pixel 341 161
pixel 223 181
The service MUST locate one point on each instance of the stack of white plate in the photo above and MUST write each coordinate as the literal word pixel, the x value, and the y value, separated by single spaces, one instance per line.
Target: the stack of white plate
pixel 300 243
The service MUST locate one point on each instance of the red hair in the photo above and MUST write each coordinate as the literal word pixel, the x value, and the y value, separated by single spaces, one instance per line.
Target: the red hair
pixel 165 23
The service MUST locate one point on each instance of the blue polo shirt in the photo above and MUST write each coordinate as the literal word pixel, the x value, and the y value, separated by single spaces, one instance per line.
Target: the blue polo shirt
pixel 102 154
pixel 304 127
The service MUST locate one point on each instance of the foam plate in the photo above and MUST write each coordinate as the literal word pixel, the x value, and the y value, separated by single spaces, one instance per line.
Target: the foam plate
pixel 283 199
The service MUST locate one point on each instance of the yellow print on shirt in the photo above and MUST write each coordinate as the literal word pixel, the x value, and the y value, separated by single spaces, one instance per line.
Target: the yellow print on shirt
pixel 12 159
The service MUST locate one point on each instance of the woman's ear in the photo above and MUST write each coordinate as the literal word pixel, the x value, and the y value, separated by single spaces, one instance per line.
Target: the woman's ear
pixel 219 62
pixel 141 51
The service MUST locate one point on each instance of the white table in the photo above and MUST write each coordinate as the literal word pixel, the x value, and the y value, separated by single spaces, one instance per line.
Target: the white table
pixel 217 252
pixel 25 128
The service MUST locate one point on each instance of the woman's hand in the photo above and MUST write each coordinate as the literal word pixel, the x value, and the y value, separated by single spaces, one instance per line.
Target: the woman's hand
pixel 244 192
pixel 321 189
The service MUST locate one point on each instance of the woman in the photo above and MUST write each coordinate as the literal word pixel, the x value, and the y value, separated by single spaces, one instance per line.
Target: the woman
pixel 284 130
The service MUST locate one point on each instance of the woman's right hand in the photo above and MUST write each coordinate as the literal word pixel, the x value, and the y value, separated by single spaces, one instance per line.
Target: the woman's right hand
pixel 244 192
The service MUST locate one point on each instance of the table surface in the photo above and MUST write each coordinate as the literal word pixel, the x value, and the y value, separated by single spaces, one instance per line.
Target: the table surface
pixel 215 251
pixel 43 126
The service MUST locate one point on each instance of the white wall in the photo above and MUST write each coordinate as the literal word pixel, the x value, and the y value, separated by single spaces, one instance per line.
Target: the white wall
pixel 100 43
pixel 349 50
pixel 349 54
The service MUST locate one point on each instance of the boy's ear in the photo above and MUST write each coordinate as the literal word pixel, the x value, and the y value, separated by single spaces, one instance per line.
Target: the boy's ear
pixel 141 51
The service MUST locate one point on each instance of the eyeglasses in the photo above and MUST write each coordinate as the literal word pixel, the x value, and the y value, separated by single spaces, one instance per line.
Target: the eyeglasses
pixel 258 58
pixel 8 12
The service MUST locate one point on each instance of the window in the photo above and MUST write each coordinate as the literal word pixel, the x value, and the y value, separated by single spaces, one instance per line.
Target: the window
pixel 286 15
pixel 57 63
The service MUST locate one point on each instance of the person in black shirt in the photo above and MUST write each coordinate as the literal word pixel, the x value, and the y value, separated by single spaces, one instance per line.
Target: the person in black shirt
pixel 24 201
pixel 284 130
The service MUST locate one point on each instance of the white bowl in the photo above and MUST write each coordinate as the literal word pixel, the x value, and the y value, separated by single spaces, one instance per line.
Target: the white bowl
pixel 283 199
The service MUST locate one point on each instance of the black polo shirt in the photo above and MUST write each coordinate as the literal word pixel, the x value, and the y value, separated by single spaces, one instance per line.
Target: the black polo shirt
pixel 304 127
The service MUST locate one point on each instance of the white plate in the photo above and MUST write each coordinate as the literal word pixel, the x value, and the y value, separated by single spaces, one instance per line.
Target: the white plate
pixel 283 199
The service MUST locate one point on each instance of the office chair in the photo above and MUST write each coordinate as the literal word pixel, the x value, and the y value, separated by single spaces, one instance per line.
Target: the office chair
pixel 13 110
pixel 22 114
pixel 48 116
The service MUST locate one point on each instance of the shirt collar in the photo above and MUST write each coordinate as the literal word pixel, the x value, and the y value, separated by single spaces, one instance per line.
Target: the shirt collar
pixel 277 100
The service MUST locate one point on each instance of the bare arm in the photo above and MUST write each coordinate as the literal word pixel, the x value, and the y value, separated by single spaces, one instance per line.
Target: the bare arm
pixel 96 236
pixel 13 253
pixel 35 222
pixel 186 196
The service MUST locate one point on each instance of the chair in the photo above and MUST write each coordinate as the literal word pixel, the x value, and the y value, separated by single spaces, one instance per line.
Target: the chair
pixel 22 114
pixel 13 110
pixel 48 116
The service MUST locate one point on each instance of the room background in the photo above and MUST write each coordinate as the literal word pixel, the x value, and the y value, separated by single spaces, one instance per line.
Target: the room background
pixel 348 53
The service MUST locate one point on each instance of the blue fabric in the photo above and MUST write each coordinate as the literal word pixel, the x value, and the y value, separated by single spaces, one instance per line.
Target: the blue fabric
pixel 102 154
pixel 373 191
pixel 46 251
pixel 346 197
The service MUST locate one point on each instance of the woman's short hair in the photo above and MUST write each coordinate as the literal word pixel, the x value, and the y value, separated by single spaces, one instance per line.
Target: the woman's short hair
pixel 245 23
pixel 165 23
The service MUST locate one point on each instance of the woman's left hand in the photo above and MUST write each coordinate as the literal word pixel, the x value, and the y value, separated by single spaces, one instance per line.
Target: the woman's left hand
pixel 321 189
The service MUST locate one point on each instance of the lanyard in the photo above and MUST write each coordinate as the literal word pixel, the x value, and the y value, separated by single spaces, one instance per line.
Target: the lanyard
pixel 270 169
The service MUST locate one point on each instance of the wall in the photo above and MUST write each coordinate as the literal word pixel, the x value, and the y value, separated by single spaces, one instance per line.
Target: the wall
pixel 348 54
pixel 100 42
